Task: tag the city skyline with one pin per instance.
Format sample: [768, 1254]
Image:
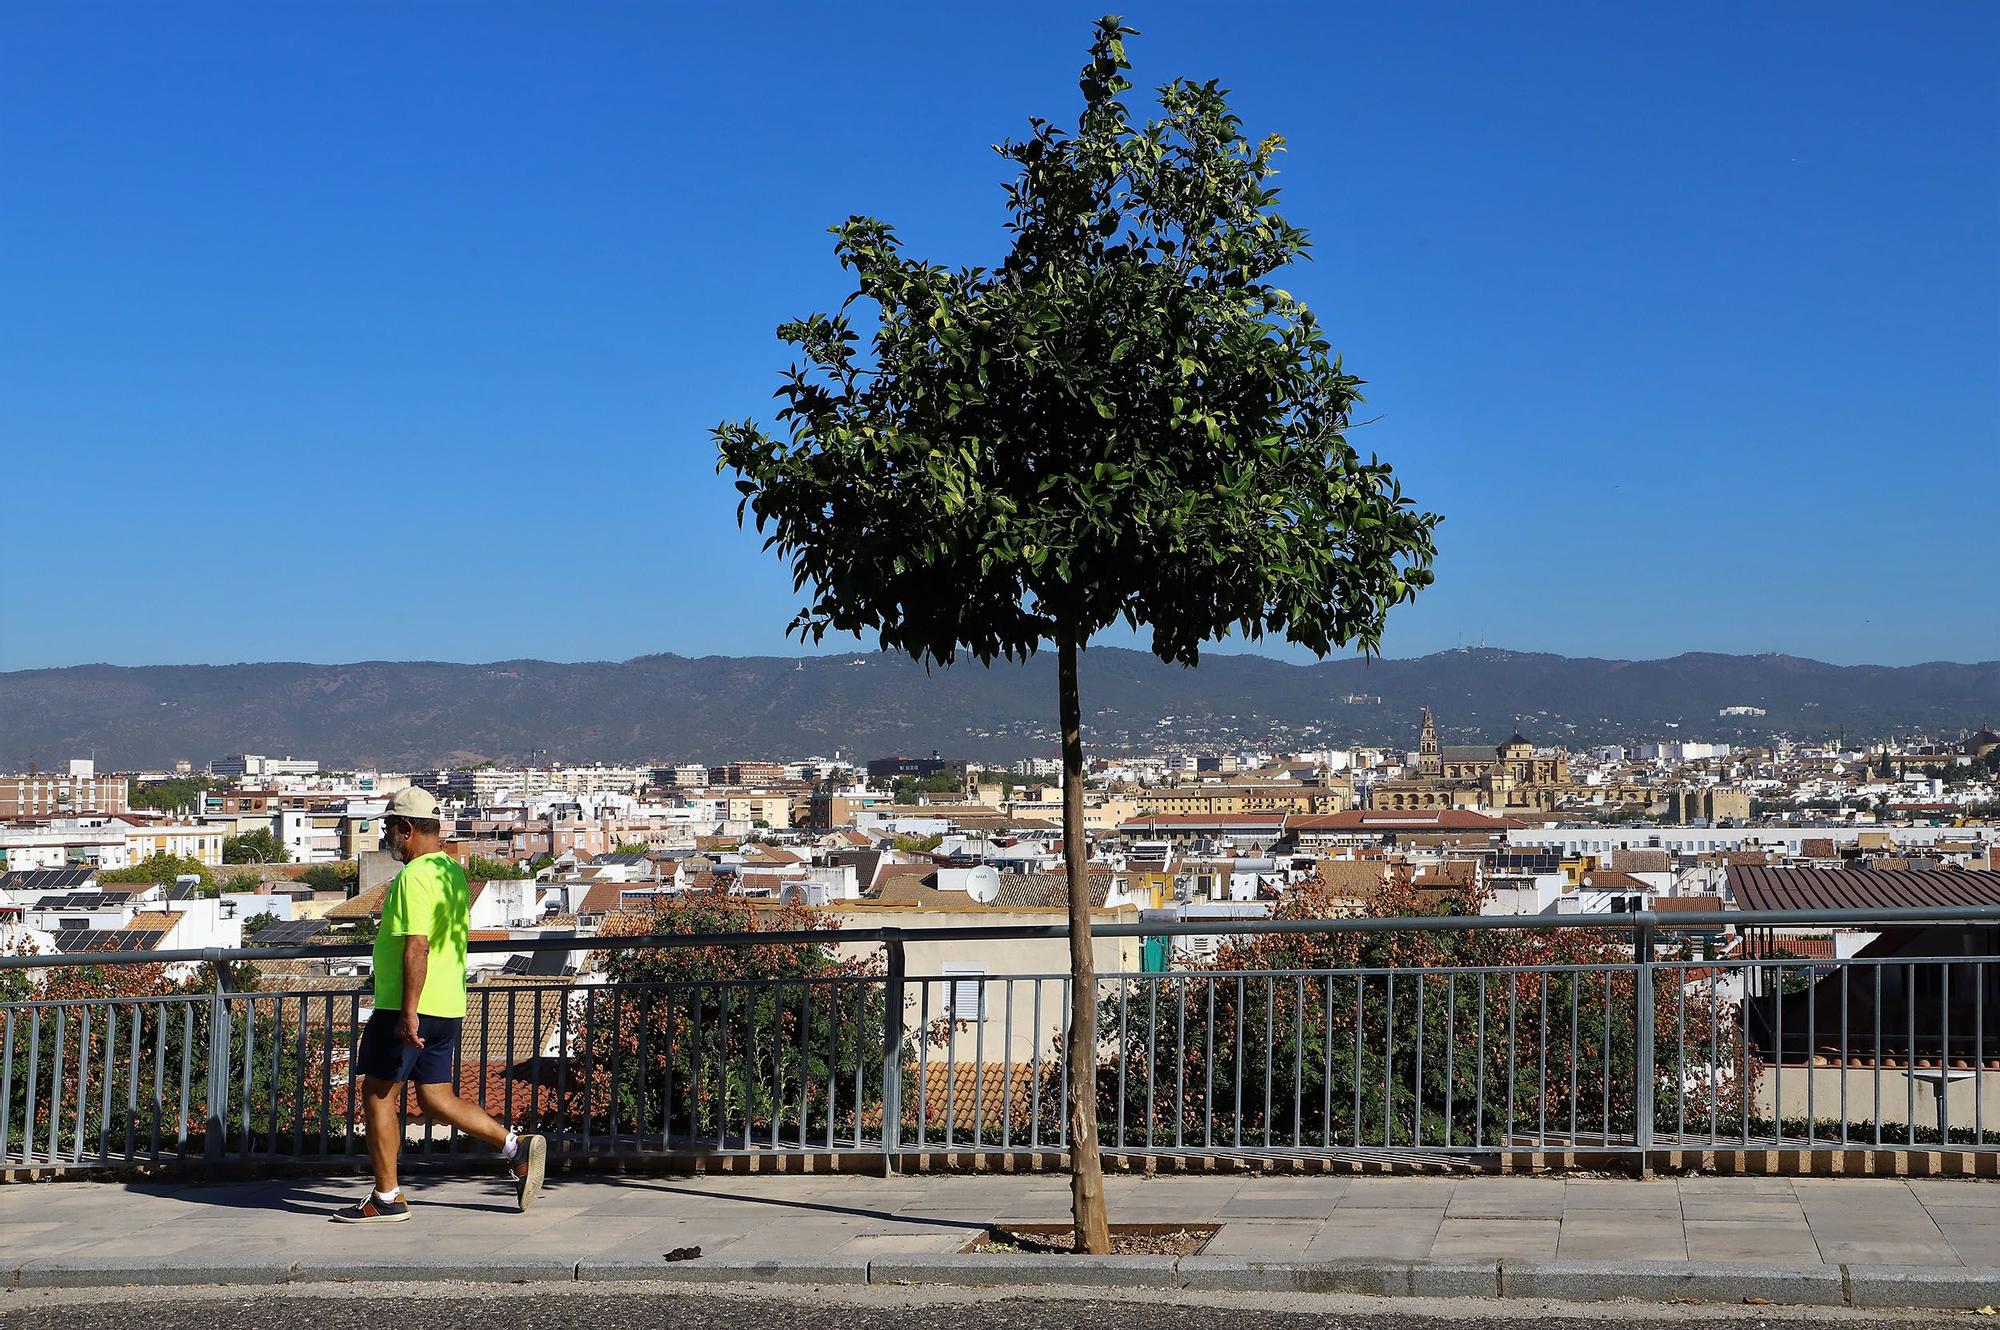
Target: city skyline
[1688, 323]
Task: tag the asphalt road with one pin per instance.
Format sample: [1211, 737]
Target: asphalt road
[546, 1309]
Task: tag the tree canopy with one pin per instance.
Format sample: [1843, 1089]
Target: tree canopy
[1126, 419]
[172, 794]
[258, 846]
[160, 868]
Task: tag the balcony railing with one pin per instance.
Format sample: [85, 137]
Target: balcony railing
[1619, 1043]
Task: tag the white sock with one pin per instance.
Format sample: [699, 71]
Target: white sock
[387, 1196]
[513, 1143]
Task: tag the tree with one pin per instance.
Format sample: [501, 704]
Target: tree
[1126, 420]
[163, 868]
[756, 1034]
[630, 847]
[906, 788]
[1334, 1043]
[479, 868]
[1886, 769]
[171, 795]
[254, 847]
[342, 877]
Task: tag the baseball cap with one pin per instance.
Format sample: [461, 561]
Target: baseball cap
[413, 802]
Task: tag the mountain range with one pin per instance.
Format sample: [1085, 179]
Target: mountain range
[413, 714]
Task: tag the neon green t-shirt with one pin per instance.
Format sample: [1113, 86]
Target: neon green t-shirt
[430, 898]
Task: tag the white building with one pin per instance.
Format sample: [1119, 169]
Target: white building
[490, 785]
[1678, 751]
[63, 843]
[256, 766]
[200, 841]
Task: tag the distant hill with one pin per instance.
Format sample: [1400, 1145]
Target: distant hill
[421, 713]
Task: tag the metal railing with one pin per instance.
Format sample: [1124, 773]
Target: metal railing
[825, 1043]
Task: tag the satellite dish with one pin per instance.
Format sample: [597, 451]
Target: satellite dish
[983, 884]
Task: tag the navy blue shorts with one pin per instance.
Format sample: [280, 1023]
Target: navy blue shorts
[386, 1057]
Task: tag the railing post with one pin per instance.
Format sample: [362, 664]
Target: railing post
[892, 1050]
[218, 1065]
[1644, 1073]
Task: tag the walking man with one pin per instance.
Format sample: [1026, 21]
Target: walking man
[419, 1006]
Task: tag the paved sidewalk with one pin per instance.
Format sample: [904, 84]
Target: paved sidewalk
[1819, 1230]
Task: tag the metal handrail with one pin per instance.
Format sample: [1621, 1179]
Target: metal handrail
[1640, 923]
[1641, 1070]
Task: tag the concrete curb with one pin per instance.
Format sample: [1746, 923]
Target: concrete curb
[1455, 1279]
[373, 1270]
[1871, 1286]
[1657, 1281]
[1884, 1286]
[1026, 1269]
[724, 1269]
[117, 1271]
[1225, 1274]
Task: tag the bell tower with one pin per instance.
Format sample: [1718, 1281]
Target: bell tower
[1429, 765]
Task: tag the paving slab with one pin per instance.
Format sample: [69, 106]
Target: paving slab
[1315, 1187]
[1974, 1244]
[1466, 1239]
[1509, 1199]
[1398, 1194]
[1748, 1186]
[1279, 1207]
[1772, 1209]
[1268, 1239]
[1400, 1233]
[904, 1244]
[1956, 1192]
[1751, 1241]
[1592, 1194]
[1603, 1235]
[1889, 1253]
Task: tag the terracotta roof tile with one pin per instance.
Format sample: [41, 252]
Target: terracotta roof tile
[364, 906]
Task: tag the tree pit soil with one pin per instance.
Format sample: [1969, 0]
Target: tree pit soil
[1126, 1240]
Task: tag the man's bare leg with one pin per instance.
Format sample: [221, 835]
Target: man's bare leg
[525, 1164]
[381, 1104]
[441, 1104]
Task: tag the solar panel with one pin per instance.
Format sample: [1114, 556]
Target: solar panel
[71, 941]
[83, 900]
[45, 879]
[547, 962]
[286, 933]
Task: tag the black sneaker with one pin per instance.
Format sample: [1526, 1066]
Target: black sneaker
[374, 1211]
[531, 1161]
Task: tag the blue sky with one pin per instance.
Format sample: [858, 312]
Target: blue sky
[1686, 317]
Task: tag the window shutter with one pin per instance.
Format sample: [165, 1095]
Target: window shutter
[966, 992]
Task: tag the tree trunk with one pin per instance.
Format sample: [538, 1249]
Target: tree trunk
[1093, 1232]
